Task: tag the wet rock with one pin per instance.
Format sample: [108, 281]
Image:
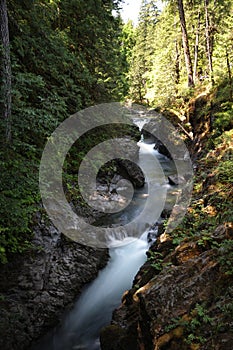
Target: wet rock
[130, 148]
[159, 146]
[36, 288]
[160, 311]
[150, 134]
[166, 213]
[122, 168]
[115, 338]
[131, 171]
[175, 180]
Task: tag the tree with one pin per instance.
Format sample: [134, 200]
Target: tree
[223, 40]
[5, 70]
[196, 49]
[209, 40]
[65, 55]
[187, 55]
[143, 52]
[127, 45]
[229, 74]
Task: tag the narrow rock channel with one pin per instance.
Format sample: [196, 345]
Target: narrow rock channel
[93, 310]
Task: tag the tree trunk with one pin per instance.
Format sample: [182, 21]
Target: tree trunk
[5, 70]
[177, 63]
[177, 58]
[197, 46]
[209, 41]
[229, 74]
[187, 55]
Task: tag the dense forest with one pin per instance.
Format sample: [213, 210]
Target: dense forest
[61, 56]
[55, 65]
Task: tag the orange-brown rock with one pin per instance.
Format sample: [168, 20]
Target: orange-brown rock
[180, 307]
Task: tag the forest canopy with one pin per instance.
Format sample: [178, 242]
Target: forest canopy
[60, 56]
[165, 63]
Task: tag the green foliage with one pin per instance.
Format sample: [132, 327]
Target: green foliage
[65, 55]
[158, 73]
[224, 171]
[223, 119]
[226, 256]
[19, 193]
[212, 197]
[175, 322]
[195, 329]
[156, 260]
[127, 43]
[53, 41]
[142, 55]
[194, 325]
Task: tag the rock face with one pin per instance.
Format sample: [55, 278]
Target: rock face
[131, 171]
[177, 301]
[125, 168]
[109, 179]
[37, 288]
[175, 180]
[149, 132]
[155, 132]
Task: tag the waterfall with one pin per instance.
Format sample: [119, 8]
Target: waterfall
[93, 310]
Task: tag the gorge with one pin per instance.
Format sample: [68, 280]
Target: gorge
[158, 274]
[80, 328]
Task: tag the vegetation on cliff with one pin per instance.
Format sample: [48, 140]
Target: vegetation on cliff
[67, 55]
[182, 297]
[64, 56]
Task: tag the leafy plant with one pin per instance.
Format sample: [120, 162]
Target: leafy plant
[156, 261]
[226, 256]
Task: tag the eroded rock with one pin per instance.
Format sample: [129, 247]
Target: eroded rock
[178, 306]
[36, 288]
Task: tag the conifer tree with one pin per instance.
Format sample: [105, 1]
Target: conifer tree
[5, 66]
[142, 57]
[187, 54]
[127, 45]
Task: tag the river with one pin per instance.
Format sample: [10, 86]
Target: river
[93, 310]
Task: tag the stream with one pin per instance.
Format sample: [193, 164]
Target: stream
[93, 310]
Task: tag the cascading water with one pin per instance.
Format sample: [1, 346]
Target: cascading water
[93, 310]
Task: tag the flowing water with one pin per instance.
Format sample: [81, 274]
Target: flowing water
[93, 310]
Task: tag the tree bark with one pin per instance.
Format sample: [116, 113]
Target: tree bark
[197, 46]
[5, 70]
[209, 41]
[229, 75]
[177, 58]
[177, 63]
[187, 55]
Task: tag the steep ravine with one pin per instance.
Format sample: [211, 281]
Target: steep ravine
[81, 326]
[37, 287]
[167, 308]
[182, 296]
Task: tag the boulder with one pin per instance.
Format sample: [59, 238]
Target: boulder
[131, 171]
[175, 180]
